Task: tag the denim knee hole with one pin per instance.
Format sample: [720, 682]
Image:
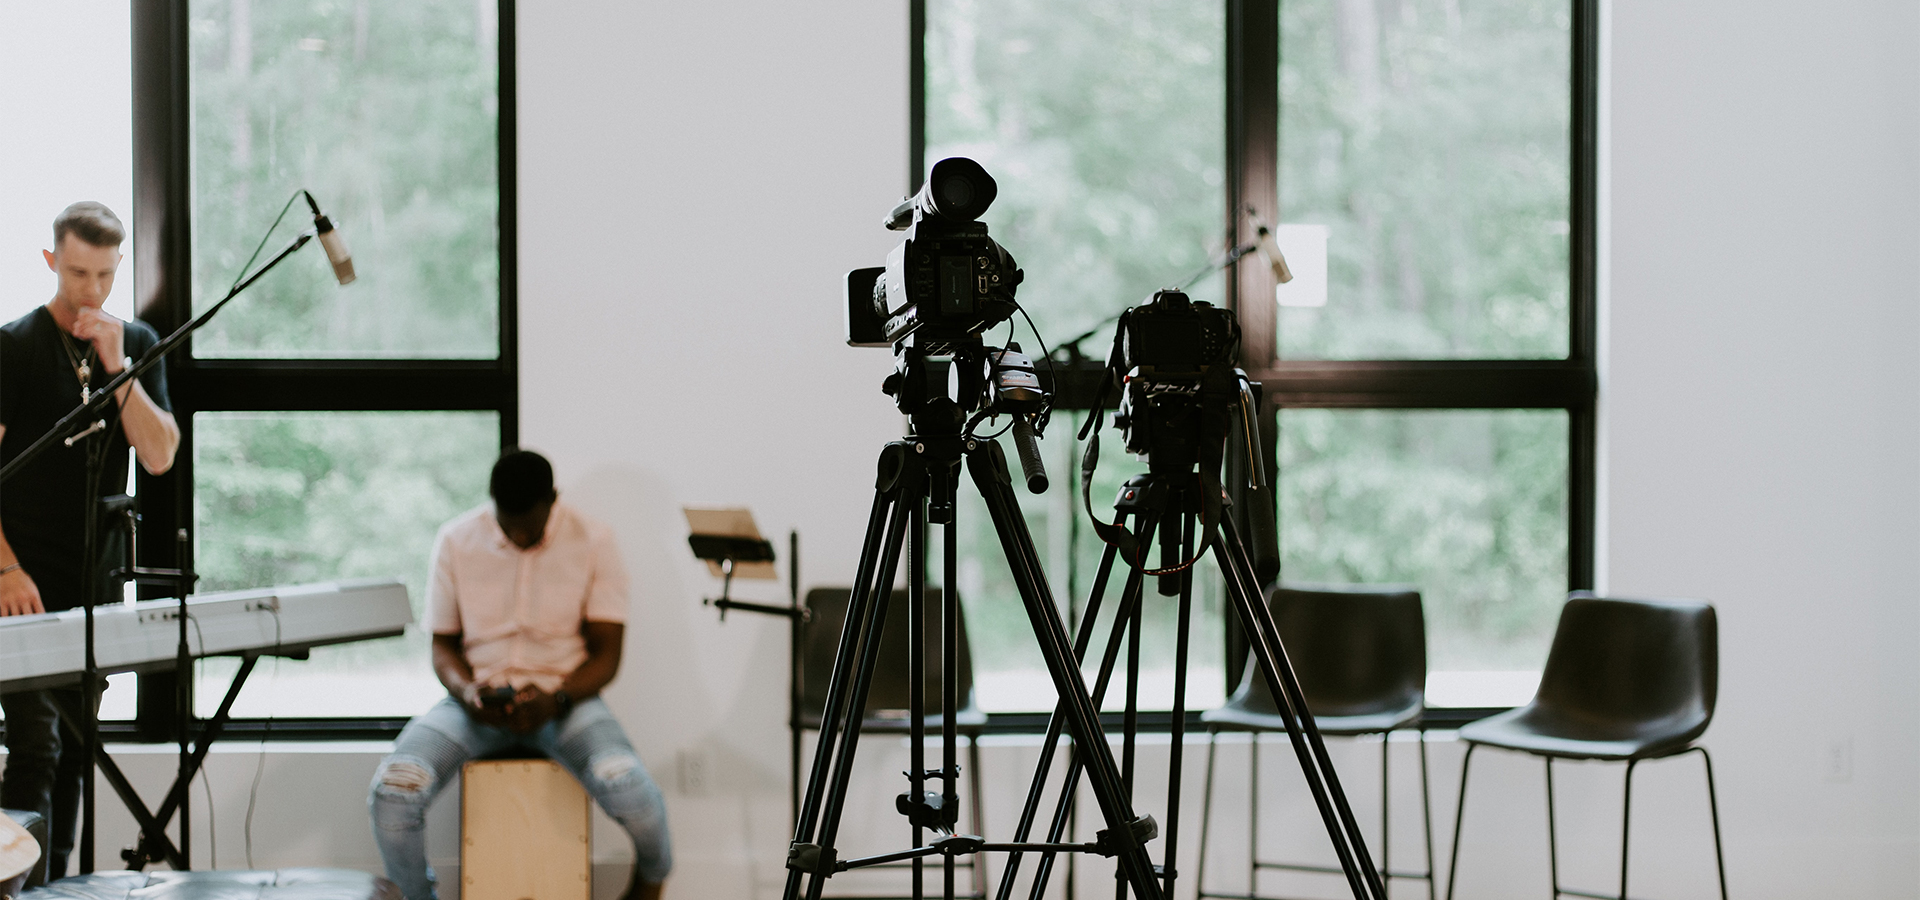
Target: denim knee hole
[404, 777]
[615, 769]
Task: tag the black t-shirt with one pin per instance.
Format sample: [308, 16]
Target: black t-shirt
[40, 507]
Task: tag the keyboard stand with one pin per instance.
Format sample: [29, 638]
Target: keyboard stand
[154, 845]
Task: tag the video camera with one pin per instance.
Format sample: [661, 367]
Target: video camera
[947, 280]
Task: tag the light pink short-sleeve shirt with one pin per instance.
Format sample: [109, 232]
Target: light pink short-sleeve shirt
[519, 612]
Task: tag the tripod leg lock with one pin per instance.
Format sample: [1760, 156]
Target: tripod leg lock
[930, 810]
[1138, 833]
[812, 858]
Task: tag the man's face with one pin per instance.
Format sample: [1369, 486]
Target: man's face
[85, 272]
[525, 529]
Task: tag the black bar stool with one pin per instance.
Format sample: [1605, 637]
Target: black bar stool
[1627, 681]
[1360, 652]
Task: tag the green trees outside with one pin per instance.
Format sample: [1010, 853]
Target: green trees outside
[388, 113]
[1431, 137]
[293, 498]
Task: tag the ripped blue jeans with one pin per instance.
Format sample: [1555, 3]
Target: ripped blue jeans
[433, 747]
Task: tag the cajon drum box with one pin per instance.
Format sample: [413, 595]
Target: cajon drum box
[525, 832]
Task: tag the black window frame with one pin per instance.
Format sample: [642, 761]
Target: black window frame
[1252, 166]
[162, 216]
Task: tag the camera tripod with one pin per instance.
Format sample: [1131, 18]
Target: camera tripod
[1170, 505]
[917, 482]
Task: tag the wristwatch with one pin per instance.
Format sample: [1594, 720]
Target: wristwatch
[562, 702]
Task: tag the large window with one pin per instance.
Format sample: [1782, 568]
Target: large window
[1104, 125]
[1431, 418]
[329, 430]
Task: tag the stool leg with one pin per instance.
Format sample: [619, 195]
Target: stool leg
[975, 815]
[1713, 806]
[1626, 810]
[1206, 815]
[1386, 821]
[1553, 839]
[1253, 814]
[1426, 813]
[1459, 814]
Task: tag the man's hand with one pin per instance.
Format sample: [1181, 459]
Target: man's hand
[497, 716]
[531, 708]
[19, 596]
[107, 335]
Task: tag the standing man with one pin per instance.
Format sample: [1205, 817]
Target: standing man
[49, 360]
[527, 605]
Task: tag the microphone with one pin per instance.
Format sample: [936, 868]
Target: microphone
[332, 242]
[1263, 241]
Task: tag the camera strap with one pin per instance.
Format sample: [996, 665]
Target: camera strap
[1216, 421]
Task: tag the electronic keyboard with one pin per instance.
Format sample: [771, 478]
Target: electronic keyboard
[49, 649]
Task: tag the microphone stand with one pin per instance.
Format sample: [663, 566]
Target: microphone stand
[100, 407]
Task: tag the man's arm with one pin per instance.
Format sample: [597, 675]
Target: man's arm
[18, 594]
[450, 664]
[151, 430]
[533, 707]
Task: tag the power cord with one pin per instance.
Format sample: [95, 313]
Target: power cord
[260, 766]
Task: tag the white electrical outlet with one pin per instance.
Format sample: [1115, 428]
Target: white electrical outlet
[1836, 761]
[695, 771]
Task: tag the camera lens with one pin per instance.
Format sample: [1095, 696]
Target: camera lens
[956, 192]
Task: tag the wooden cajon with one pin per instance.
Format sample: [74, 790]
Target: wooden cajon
[525, 832]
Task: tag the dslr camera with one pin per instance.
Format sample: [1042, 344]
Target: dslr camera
[1175, 360]
[947, 281]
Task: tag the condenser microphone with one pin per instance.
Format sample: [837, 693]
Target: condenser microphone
[332, 242]
[1263, 240]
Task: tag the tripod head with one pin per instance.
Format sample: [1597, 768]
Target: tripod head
[1175, 362]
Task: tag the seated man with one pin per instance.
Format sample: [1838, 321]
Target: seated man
[527, 605]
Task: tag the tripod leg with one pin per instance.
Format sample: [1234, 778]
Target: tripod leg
[1054, 724]
[1175, 773]
[986, 462]
[916, 674]
[809, 813]
[1265, 643]
[1130, 599]
[856, 704]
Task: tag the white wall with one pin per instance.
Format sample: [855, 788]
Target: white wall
[1763, 395]
[696, 177]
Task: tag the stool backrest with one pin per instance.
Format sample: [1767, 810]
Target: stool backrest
[1619, 661]
[1357, 649]
[891, 682]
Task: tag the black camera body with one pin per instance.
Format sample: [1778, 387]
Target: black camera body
[1177, 360]
[947, 280]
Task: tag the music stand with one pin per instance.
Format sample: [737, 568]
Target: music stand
[729, 542]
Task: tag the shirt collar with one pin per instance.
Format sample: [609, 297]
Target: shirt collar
[499, 535]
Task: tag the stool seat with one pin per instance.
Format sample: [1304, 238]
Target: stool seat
[287, 884]
[1544, 731]
[1233, 717]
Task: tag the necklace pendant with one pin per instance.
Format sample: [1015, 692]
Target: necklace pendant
[85, 395]
[85, 372]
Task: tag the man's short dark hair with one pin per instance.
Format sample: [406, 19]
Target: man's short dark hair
[522, 480]
[91, 222]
